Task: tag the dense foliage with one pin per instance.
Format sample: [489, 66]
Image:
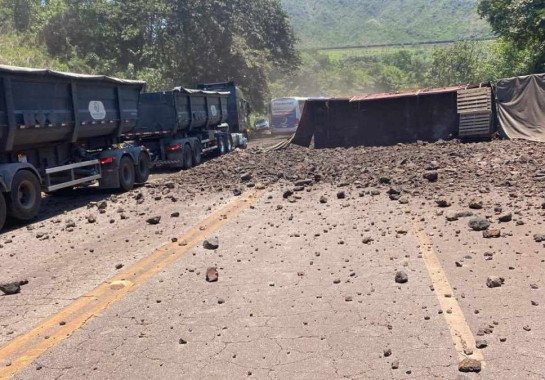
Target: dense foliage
[164, 42]
[321, 23]
[522, 25]
[172, 42]
[519, 50]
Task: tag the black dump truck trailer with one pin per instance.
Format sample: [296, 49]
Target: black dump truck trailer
[60, 130]
[178, 127]
[238, 108]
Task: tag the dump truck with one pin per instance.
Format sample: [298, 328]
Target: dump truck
[238, 108]
[180, 126]
[61, 130]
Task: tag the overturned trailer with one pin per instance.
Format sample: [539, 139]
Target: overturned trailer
[385, 119]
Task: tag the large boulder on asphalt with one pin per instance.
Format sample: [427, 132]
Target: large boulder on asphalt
[211, 243]
[479, 224]
[470, 365]
[401, 277]
[495, 282]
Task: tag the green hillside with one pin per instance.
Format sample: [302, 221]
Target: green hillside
[324, 23]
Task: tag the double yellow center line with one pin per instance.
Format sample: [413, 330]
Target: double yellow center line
[23, 350]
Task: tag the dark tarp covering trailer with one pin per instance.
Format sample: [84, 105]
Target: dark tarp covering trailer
[60, 130]
[520, 105]
[237, 106]
[45, 106]
[380, 119]
[180, 110]
[179, 126]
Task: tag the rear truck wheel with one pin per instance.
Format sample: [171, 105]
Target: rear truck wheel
[126, 174]
[188, 157]
[197, 154]
[143, 168]
[3, 211]
[25, 197]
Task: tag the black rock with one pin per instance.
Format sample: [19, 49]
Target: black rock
[385, 180]
[506, 218]
[287, 194]
[401, 277]
[394, 191]
[470, 365]
[211, 243]
[246, 177]
[11, 288]
[494, 282]
[539, 238]
[479, 224]
[154, 221]
[476, 205]
[443, 203]
[432, 176]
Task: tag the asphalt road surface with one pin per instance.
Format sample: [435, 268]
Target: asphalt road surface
[413, 261]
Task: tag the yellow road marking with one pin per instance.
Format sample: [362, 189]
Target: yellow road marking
[461, 333]
[23, 350]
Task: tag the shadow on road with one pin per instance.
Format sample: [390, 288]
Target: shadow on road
[54, 205]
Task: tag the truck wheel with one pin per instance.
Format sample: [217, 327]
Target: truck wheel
[143, 168]
[2, 211]
[126, 174]
[25, 197]
[188, 157]
[197, 154]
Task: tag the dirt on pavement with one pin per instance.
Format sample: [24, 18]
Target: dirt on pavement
[327, 275]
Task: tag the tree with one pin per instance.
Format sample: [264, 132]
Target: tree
[175, 42]
[521, 23]
[463, 62]
[17, 14]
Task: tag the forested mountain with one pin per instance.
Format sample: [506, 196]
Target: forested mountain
[323, 23]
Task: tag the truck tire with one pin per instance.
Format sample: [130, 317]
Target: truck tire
[197, 153]
[25, 197]
[126, 174]
[3, 211]
[188, 157]
[143, 168]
